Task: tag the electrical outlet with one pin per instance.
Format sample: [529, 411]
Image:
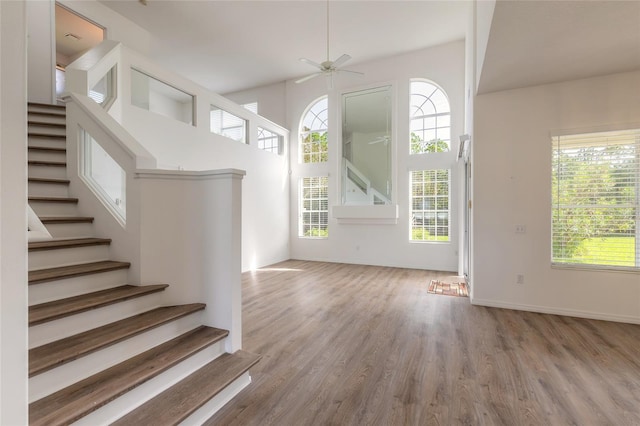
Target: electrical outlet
[521, 229]
[520, 279]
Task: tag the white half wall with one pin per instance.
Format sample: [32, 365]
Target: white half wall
[265, 188]
[13, 213]
[512, 185]
[386, 245]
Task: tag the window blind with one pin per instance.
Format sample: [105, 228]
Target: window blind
[596, 199]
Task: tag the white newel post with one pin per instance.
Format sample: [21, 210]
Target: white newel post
[190, 238]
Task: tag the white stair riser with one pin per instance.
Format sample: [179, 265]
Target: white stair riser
[47, 130]
[39, 189]
[205, 412]
[70, 230]
[48, 172]
[68, 326]
[35, 155]
[67, 374]
[47, 208]
[136, 397]
[69, 256]
[68, 287]
[46, 142]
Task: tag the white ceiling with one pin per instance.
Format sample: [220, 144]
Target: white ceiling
[232, 45]
[88, 34]
[538, 42]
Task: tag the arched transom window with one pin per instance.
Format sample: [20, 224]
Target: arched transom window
[430, 118]
[313, 132]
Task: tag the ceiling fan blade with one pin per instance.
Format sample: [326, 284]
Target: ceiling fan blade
[341, 60]
[309, 77]
[313, 64]
[351, 72]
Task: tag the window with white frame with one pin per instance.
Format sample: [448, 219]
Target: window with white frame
[314, 207]
[595, 218]
[430, 202]
[430, 116]
[229, 125]
[313, 133]
[269, 141]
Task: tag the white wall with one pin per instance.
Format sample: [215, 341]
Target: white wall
[13, 214]
[271, 101]
[265, 189]
[382, 244]
[118, 27]
[512, 185]
[483, 11]
[41, 30]
[41, 50]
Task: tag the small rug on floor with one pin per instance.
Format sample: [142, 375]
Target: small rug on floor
[448, 289]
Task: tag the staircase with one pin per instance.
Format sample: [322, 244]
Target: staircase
[101, 350]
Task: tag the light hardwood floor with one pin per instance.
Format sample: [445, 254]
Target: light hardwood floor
[365, 345]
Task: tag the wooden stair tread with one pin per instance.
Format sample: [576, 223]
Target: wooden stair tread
[76, 401]
[46, 123]
[45, 135]
[47, 163]
[54, 354]
[48, 114]
[49, 311]
[49, 180]
[178, 402]
[66, 219]
[44, 105]
[67, 243]
[61, 272]
[54, 199]
[47, 149]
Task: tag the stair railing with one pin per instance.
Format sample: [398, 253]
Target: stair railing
[182, 218]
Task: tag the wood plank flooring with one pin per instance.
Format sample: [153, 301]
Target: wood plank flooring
[364, 345]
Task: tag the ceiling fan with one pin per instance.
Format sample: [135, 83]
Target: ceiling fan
[328, 67]
[381, 139]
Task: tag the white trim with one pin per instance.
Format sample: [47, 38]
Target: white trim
[366, 214]
[189, 175]
[556, 311]
[36, 230]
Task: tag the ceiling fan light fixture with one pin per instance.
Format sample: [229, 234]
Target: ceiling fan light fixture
[327, 67]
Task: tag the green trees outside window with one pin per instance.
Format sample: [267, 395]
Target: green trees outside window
[595, 199]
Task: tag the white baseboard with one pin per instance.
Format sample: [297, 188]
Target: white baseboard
[556, 311]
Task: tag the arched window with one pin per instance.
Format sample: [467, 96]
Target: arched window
[313, 132]
[430, 118]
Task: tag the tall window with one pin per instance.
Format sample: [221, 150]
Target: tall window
[313, 133]
[314, 207]
[430, 205]
[430, 118]
[596, 199]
